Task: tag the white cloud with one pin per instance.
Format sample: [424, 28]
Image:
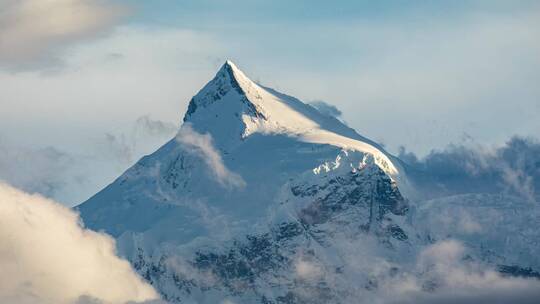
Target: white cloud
[127, 147]
[443, 272]
[35, 170]
[46, 257]
[326, 108]
[31, 31]
[105, 85]
[71, 177]
[511, 168]
[201, 144]
[307, 270]
[444, 275]
[456, 220]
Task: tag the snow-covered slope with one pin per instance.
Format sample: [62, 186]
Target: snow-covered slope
[260, 198]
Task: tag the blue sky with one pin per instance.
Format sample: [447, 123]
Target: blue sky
[422, 74]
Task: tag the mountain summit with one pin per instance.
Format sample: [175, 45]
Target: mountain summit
[224, 103]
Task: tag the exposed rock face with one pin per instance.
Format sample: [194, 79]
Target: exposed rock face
[358, 203]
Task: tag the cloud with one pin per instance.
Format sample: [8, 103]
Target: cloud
[457, 220]
[513, 168]
[71, 177]
[326, 108]
[55, 173]
[443, 272]
[126, 147]
[118, 147]
[518, 295]
[46, 257]
[33, 31]
[444, 275]
[40, 170]
[307, 269]
[201, 145]
[145, 125]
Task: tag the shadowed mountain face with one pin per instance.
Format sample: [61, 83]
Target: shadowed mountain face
[260, 198]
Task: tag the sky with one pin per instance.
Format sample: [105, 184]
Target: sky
[88, 87]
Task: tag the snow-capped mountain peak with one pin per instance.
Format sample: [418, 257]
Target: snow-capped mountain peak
[223, 104]
[232, 107]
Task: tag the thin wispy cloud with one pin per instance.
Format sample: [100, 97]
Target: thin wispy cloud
[202, 146]
[326, 108]
[127, 147]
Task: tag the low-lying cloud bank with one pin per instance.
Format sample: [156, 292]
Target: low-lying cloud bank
[47, 257]
[443, 274]
[440, 273]
[513, 169]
